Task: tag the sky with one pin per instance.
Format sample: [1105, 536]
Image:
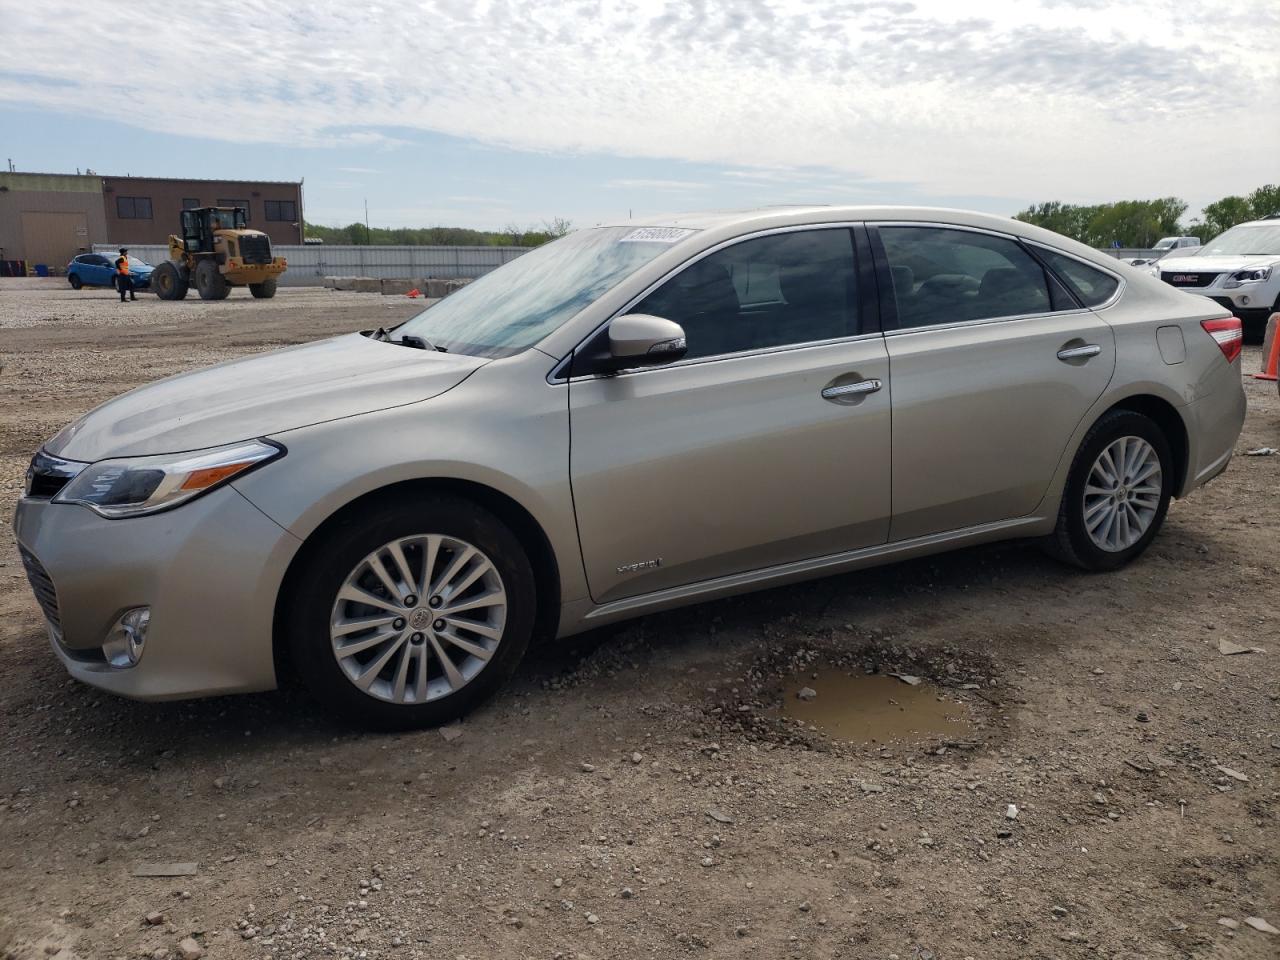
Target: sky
[498, 113]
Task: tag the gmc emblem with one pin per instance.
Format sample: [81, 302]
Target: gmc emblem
[1185, 278]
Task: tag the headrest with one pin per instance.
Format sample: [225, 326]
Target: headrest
[815, 284]
[1000, 281]
[904, 280]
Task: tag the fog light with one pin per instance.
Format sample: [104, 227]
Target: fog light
[1244, 301]
[126, 639]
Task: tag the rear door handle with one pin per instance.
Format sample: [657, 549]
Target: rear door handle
[851, 389]
[1079, 353]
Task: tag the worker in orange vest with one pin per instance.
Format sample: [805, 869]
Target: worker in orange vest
[123, 281]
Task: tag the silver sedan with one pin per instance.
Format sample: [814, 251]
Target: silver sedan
[629, 419]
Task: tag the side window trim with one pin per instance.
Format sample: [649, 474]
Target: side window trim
[1053, 277]
[867, 325]
[888, 303]
[870, 319]
[1034, 248]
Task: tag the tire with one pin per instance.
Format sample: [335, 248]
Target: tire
[169, 282]
[211, 284]
[264, 290]
[1072, 541]
[75, 281]
[314, 610]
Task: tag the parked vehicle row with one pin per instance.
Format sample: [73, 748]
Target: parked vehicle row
[628, 419]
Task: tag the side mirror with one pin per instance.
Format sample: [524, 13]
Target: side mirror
[639, 339]
[632, 340]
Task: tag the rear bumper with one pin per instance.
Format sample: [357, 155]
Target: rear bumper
[1214, 423]
[256, 272]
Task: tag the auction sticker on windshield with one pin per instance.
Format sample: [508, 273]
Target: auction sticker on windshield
[656, 235]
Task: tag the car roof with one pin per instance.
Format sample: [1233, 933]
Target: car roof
[727, 223]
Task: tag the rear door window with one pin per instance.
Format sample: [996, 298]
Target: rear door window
[779, 290]
[941, 275]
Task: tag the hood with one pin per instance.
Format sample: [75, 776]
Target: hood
[262, 395]
[1206, 264]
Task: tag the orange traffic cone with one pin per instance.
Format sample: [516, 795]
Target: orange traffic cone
[1272, 349]
[415, 293]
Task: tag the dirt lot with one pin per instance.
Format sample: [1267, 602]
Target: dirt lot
[635, 793]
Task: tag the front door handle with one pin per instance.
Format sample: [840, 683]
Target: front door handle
[1079, 353]
[851, 389]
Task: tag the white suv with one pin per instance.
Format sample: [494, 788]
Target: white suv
[1167, 244]
[1240, 269]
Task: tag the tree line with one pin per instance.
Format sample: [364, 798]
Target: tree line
[511, 236]
[1140, 223]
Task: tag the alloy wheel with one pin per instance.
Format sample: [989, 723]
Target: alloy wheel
[418, 619]
[1122, 494]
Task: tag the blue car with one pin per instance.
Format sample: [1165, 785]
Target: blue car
[99, 270]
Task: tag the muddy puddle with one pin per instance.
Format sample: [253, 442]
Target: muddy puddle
[874, 708]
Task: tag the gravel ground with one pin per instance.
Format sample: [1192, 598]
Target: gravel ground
[636, 792]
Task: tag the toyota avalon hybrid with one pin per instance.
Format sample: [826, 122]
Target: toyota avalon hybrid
[628, 419]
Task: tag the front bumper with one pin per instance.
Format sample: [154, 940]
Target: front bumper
[209, 570]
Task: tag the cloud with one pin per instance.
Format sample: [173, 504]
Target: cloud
[642, 184]
[369, 170]
[993, 97]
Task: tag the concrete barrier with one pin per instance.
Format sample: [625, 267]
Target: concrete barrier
[347, 283]
[433, 288]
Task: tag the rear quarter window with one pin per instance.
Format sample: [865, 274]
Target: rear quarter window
[1094, 287]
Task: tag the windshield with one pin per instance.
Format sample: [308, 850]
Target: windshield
[1165, 244]
[226, 219]
[137, 262]
[1245, 241]
[515, 306]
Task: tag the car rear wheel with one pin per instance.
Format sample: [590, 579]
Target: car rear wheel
[411, 614]
[75, 281]
[1117, 493]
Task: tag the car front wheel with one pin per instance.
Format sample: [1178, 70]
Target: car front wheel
[411, 614]
[75, 281]
[1117, 493]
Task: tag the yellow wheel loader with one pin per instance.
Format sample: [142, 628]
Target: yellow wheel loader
[217, 252]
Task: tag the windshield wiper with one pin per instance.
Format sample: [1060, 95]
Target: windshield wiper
[407, 340]
[421, 343]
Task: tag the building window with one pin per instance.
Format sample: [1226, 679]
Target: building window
[133, 208]
[190, 203]
[285, 210]
[242, 204]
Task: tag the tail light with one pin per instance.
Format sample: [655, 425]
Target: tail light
[1228, 334]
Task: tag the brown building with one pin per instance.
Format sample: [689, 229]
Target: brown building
[146, 209]
[48, 218]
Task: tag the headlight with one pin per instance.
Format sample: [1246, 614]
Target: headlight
[1251, 275]
[1154, 270]
[140, 485]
